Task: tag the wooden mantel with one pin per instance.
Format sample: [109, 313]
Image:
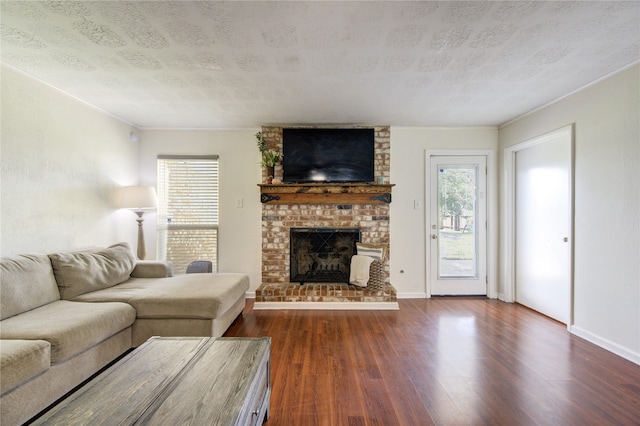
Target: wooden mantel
[325, 193]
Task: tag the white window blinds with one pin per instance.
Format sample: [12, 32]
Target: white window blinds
[188, 205]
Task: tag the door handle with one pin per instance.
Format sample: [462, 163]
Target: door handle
[434, 236]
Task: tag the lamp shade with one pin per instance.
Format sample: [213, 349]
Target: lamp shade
[138, 197]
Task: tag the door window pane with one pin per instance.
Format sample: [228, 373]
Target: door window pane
[457, 237]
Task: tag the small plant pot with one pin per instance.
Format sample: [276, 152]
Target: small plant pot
[270, 173]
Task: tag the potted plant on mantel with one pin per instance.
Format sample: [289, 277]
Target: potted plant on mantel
[270, 157]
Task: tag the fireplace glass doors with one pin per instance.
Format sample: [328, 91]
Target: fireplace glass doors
[322, 254]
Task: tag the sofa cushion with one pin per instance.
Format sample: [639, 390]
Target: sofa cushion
[70, 327]
[84, 271]
[120, 293]
[203, 296]
[21, 360]
[26, 282]
[152, 269]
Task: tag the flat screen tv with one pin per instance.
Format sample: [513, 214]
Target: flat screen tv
[327, 155]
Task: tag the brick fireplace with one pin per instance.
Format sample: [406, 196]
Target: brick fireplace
[286, 207]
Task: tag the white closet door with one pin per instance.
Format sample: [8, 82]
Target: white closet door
[543, 227]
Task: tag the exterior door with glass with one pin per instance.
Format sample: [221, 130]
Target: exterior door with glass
[457, 225]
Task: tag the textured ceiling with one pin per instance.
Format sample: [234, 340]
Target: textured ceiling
[206, 64]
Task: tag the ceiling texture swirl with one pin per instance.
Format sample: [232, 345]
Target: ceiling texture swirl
[241, 64]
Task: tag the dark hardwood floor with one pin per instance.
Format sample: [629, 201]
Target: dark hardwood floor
[442, 361]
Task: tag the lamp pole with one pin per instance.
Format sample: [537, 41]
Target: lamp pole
[142, 250]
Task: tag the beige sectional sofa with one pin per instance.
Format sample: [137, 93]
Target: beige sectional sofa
[64, 316]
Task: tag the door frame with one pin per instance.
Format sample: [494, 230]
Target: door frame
[492, 215]
[509, 212]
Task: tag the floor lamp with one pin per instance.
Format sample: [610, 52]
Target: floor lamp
[138, 199]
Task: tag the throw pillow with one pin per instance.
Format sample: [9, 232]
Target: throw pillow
[371, 250]
[26, 282]
[85, 271]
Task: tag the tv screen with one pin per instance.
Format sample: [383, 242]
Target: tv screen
[327, 155]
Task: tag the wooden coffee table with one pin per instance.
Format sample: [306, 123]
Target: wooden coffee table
[176, 381]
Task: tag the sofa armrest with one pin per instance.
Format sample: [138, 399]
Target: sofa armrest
[152, 269]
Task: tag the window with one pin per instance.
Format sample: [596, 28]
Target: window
[188, 209]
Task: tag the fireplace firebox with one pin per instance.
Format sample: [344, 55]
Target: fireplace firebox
[322, 254]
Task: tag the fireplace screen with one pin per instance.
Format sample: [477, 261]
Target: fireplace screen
[322, 254]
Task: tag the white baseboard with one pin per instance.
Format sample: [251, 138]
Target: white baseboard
[411, 295]
[424, 296]
[606, 344]
[352, 306]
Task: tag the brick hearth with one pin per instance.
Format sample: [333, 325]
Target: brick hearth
[277, 219]
[325, 292]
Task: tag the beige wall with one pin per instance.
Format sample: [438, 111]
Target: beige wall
[408, 242]
[607, 205]
[240, 241]
[60, 163]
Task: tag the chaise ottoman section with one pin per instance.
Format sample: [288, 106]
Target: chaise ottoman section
[200, 296]
[70, 327]
[22, 360]
[190, 305]
[200, 305]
